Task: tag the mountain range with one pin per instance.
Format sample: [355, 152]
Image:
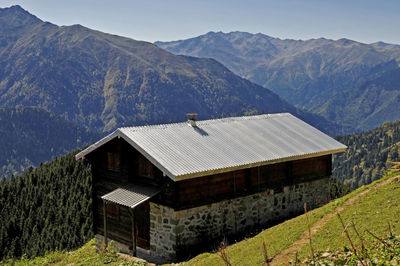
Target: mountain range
[72, 75]
[328, 77]
[104, 81]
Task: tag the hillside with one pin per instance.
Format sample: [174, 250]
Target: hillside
[30, 136]
[46, 208]
[105, 81]
[287, 239]
[85, 255]
[368, 156]
[367, 105]
[309, 73]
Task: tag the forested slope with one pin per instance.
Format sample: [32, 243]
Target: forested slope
[368, 155]
[46, 208]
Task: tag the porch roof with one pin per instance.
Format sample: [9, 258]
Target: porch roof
[131, 195]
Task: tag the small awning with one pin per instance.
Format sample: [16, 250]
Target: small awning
[132, 195]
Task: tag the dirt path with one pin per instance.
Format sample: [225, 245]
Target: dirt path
[288, 254]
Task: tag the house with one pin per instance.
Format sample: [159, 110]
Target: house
[165, 190]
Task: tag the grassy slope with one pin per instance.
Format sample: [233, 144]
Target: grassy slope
[86, 255]
[373, 210]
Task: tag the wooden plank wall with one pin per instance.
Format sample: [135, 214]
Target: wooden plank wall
[208, 189]
[118, 227]
[118, 219]
[106, 180]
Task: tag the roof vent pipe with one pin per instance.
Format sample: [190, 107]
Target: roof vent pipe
[192, 119]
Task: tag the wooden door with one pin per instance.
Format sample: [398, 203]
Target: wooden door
[142, 214]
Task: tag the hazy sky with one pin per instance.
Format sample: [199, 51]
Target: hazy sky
[151, 20]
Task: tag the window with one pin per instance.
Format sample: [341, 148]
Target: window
[145, 168]
[113, 161]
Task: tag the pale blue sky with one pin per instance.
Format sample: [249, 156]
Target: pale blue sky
[151, 20]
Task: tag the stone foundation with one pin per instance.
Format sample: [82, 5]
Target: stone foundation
[163, 231]
[236, 216]
[173, 232]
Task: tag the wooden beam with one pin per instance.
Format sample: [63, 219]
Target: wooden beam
[132, 214]
[105, 222]
[234, 183]
[329, 165]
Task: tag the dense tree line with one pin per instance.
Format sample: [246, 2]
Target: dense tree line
[368, 155]
[46, 208]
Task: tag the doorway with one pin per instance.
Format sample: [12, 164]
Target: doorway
[142, 217]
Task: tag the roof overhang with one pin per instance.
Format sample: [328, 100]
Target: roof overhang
[119, 134]
[256, 164]
[131, 196]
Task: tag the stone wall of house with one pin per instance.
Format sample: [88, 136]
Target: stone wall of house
[162, 232]
[229, 217]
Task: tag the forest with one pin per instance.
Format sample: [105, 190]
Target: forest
[46, 208]
[368, 155]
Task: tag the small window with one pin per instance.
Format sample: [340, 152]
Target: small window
[113, 161]
[145, 168]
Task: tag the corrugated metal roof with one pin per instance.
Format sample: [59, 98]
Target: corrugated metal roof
[131, 196]
[220, 145]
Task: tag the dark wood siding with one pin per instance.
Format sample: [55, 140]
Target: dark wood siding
[119, 162]
[114, 165]
[309, 169]
[118, 228]
[212, 188]
[118, 218]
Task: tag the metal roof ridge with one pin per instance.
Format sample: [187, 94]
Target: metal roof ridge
[205, 122]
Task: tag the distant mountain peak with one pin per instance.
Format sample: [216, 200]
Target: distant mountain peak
[16, 10]
[344, 41]
[310, 73]
[384, 44]
[17, 16]
[380, 43]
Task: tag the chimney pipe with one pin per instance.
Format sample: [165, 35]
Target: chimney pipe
[192, 119]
